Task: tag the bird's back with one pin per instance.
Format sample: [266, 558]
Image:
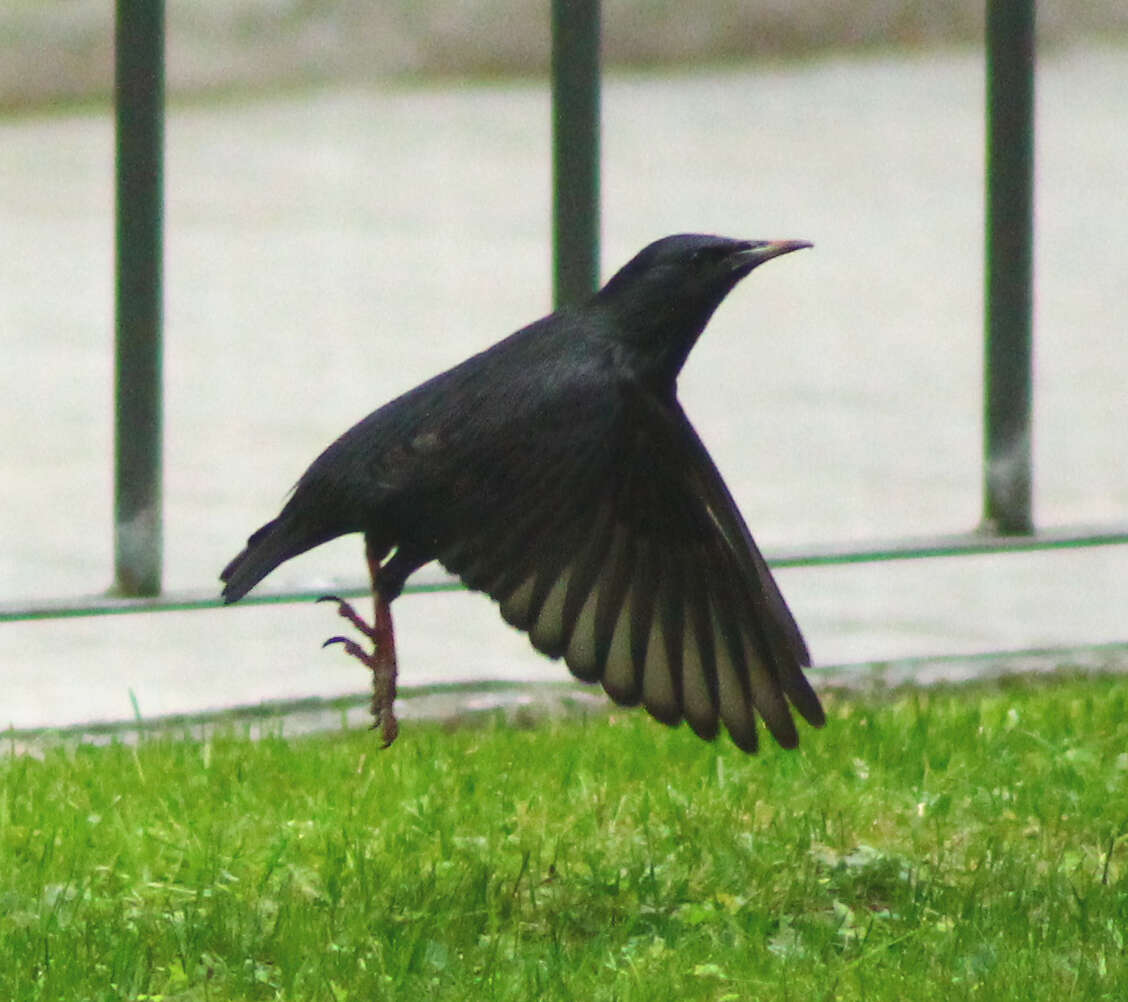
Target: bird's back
[449, 452]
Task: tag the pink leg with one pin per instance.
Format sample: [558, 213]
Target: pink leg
[382, 661]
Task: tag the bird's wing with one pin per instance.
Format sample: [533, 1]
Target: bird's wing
[626, 555]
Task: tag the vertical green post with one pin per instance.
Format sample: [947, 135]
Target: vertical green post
[575, 149]
[1009, 274]
[139, 113]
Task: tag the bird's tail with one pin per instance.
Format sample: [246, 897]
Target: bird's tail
[273, 544]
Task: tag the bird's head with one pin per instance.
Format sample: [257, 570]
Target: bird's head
[661, 299]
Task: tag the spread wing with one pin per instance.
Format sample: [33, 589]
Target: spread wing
[627, 557]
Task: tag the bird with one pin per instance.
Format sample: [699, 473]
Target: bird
[557, 472]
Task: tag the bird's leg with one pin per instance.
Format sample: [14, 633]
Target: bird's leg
[382, 661]
[384, 673]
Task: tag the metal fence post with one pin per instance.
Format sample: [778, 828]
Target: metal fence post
[139, 120]
[575, 149]
[1009, 270]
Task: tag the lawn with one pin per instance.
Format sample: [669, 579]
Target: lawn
[965, 843]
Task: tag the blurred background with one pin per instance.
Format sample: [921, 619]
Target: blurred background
[357, 195]
[62, 50]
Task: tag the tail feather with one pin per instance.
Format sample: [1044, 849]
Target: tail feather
[273, 544]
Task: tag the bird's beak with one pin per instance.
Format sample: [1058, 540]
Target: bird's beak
[756, 252]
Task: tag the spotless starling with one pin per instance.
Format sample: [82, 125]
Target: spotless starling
[557, 473]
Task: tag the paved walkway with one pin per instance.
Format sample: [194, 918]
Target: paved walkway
[327, 250]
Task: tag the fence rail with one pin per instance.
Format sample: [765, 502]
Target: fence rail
[830, 554]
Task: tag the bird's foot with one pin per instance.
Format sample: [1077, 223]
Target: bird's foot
[381, 661]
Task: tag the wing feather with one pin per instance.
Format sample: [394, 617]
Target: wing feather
[644, 597]
[614, 581]
[622, 675]
[699, 642]
[661, 666]
[733, 699]
[582, 599]
[632, 561]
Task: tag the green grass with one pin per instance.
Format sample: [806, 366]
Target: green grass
[960, 844]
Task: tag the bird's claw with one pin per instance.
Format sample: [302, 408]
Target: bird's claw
[346, 611]
[352, 647]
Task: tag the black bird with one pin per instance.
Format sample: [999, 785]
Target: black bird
[557, 473]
